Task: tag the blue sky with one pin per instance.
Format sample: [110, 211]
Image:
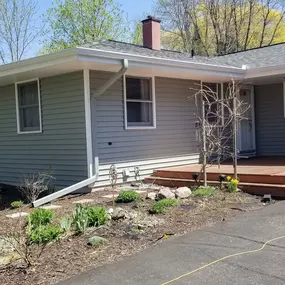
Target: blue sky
[134, 8]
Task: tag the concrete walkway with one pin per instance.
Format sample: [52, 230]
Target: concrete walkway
[179, 255]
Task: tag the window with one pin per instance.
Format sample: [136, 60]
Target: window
[139, 103]
[28, 107]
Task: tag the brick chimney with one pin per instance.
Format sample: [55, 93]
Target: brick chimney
[151, 33]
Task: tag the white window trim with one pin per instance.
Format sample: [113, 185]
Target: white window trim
[17, 107]
[152, 78]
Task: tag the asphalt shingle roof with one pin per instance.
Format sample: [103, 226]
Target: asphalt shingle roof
[260, 57]
[254, 58]
[110, 45]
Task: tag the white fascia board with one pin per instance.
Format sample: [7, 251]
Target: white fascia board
[39, 62]
[109, 57]
[265, 71]
[88, 53]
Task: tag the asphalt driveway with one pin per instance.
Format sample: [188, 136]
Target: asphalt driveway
[179, 255]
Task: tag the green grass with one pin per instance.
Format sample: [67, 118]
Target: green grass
[204, 192]
[127, 196]
[163, 205]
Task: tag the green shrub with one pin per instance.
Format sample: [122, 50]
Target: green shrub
[202, 192]
[96, 241]
[127, 196]
[40, 217]
[163, 205]
[44, 234]
[87, 216]
[16, 204]
[65, 224]
[97, 216]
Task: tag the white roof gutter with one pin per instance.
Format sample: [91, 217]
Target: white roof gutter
[90, 52]
[85, 54]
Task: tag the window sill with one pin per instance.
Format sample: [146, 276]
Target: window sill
[140, 128]
[29, 132]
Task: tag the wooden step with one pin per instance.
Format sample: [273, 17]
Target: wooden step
[211, 176]
[276, 190]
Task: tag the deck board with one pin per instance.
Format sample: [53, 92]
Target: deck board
[258, 175]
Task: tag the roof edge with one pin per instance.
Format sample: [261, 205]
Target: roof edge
[152, 60]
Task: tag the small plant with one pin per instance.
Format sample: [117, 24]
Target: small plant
[33, 185]
[162, 206]
[17, 204]
[87, 216]
[18, 237]
[97, 216]
[40, 217]
[127, 196]
[44, 234]
[80, 218]
[232, 184]
[203, 192]
[65, 224]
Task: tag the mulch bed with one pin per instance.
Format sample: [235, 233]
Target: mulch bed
[72, 255]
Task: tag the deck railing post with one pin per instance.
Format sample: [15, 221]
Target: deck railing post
[235, 151]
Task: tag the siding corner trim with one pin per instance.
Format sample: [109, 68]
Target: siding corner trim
[87, 103]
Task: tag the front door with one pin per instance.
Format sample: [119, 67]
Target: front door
[247, 135]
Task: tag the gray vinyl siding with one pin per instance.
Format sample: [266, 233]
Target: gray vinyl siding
[61, 146]
[270, 122]
[173, 137]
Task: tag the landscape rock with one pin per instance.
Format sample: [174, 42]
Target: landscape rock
[119, 213]
[151, 196]
[17, 215]
[7, 253]
[132, 215]
[165, 193]
[96, 240]
[183, 192]
[6, 245]
[110, 213]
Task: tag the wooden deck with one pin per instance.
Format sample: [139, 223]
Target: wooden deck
[259, 175]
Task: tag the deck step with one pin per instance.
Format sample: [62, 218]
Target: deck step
[276, 190]
[248, 178]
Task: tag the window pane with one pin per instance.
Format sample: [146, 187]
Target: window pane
[28, 94]
[30, 118]
[138, 89]
[140, 113]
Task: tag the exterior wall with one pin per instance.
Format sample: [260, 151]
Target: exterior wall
[61, 146]
[270, 121]
[172, 143]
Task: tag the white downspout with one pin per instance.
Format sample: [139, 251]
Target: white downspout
[92, 177]
[112, 80]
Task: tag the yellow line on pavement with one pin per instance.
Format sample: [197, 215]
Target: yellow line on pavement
[221, 259]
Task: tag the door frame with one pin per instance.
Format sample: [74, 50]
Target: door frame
[251, 89]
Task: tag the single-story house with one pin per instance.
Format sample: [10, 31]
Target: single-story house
[80, 110]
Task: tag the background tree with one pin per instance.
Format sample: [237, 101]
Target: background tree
[136, 35]
[213, 27]
[75, 22]
[19, 28]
